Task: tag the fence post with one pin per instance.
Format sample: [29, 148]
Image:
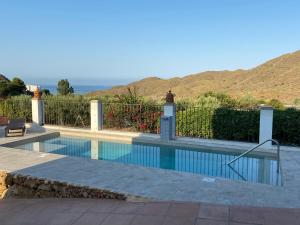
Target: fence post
[96, 115]
[266, 125]
[170, 110]
[38, 112]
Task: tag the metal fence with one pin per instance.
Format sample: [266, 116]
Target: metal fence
[194, 122]
[14, 109]
[133, 117]
[218, 123]
[70, 113]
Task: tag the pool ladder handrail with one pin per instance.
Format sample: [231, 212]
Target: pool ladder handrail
[250, 150]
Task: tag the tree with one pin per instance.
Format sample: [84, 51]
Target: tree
[224, 100]
[131, 97]
[64, 88]
[275, 103]
[45, 92]
[297, 101]
[4, 89]
[12, 88]
[17, 87]
[248, 102]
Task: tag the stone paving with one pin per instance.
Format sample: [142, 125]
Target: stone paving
[114, 212]
[156, 184]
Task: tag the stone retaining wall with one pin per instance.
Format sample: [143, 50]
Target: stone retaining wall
[19, 186]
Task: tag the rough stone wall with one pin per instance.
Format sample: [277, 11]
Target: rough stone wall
[3, 184]
[19, 186]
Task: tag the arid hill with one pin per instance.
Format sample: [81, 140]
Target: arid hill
[3, 78]
[278, 78]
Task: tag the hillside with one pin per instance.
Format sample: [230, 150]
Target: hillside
[3, 78]
[278, 78]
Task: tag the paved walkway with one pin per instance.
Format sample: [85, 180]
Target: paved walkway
[113, 212]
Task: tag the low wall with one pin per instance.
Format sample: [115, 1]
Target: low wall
[19, 186]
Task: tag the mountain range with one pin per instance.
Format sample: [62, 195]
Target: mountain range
[278, 78]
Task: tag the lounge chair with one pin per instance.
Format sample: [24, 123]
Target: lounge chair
[15, 126]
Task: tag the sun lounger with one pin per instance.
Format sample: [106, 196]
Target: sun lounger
[15, 126]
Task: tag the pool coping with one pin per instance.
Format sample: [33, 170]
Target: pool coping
[225, 191]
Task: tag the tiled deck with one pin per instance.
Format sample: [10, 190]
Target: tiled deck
[112, 212]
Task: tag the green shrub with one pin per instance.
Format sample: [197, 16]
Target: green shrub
[67, 111]
[276, 104]
[195, 122]
[286, 127]
[218, 123]
[248, 102]
[133, 117]
[17, 107]
[237, 125]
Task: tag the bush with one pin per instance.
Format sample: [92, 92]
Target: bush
[223, 99]
[218, 123]
[276, 104]
[195, 122]
[248, 102]
[17, 107]
[287, 126]
[67, 111]
[133, 117]
[237, 125]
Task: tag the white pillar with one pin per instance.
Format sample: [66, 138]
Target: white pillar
[95, 149]
[96, 115]
[170, 110]
[37, 112]
[266, 125]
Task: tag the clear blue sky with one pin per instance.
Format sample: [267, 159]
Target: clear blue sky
[118, 41]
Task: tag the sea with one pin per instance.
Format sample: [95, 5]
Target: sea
[78, 89]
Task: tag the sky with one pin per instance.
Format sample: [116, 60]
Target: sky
[110, 42]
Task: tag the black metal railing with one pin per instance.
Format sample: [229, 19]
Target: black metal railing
[71, 113]
[16, 108]
[218, 123]
[194, 122]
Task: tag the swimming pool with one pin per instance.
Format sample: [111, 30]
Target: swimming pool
[256, 169]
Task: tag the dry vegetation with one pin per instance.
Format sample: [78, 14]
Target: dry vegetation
[276, 79]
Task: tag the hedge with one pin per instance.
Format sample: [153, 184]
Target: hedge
[237, 125]
[16, 107]
[71, 112]
[286, 126]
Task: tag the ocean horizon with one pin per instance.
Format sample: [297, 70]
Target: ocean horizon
[78, 89]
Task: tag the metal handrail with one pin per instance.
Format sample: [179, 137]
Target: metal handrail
[245, 153]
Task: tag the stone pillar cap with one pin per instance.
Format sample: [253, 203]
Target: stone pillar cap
[266, 107]
[36, 94]
[95, 100]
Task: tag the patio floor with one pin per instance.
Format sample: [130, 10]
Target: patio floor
[113, 212]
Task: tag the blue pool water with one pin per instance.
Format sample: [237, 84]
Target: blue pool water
[192, 160]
